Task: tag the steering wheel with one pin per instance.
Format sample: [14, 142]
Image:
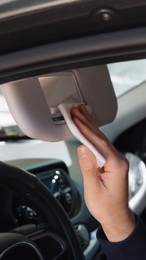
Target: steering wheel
[55, 239]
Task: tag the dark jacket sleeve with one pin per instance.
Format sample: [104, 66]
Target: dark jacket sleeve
[134, 247]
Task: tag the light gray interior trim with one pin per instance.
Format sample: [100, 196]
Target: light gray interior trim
[138, 202]
[93, 246]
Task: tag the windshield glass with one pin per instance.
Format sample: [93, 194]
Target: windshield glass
[124, 76]
[5, 117]
[127, 75]
[8, 127]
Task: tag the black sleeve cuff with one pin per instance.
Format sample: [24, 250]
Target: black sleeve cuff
[133, 247]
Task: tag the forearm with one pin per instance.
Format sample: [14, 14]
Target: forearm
[133, 247]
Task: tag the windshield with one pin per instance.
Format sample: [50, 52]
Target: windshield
[8, 127]
[127, 75]
[124, 76]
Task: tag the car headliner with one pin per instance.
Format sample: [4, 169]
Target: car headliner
[41, 42]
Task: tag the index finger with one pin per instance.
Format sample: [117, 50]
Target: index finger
[97, 139]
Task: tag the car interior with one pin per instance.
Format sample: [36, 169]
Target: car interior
[66, 52]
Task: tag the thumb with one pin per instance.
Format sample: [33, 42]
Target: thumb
[88, 167]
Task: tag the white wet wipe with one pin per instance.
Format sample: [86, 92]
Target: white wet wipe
[65, 111]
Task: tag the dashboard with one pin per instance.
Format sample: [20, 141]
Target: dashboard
[55, 177]
[62, 177]
[57, 166]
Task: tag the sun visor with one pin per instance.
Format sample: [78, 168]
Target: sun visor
[34, 102]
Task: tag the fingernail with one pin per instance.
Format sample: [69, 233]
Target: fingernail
[83, 151]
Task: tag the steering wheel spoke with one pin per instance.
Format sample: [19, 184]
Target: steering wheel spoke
[51, 245]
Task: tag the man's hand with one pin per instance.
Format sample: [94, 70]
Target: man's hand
[106, 189]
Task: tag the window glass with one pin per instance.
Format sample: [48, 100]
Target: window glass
[127, 75]
[5, 117]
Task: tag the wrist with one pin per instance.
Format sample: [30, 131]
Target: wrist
[121, 228]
